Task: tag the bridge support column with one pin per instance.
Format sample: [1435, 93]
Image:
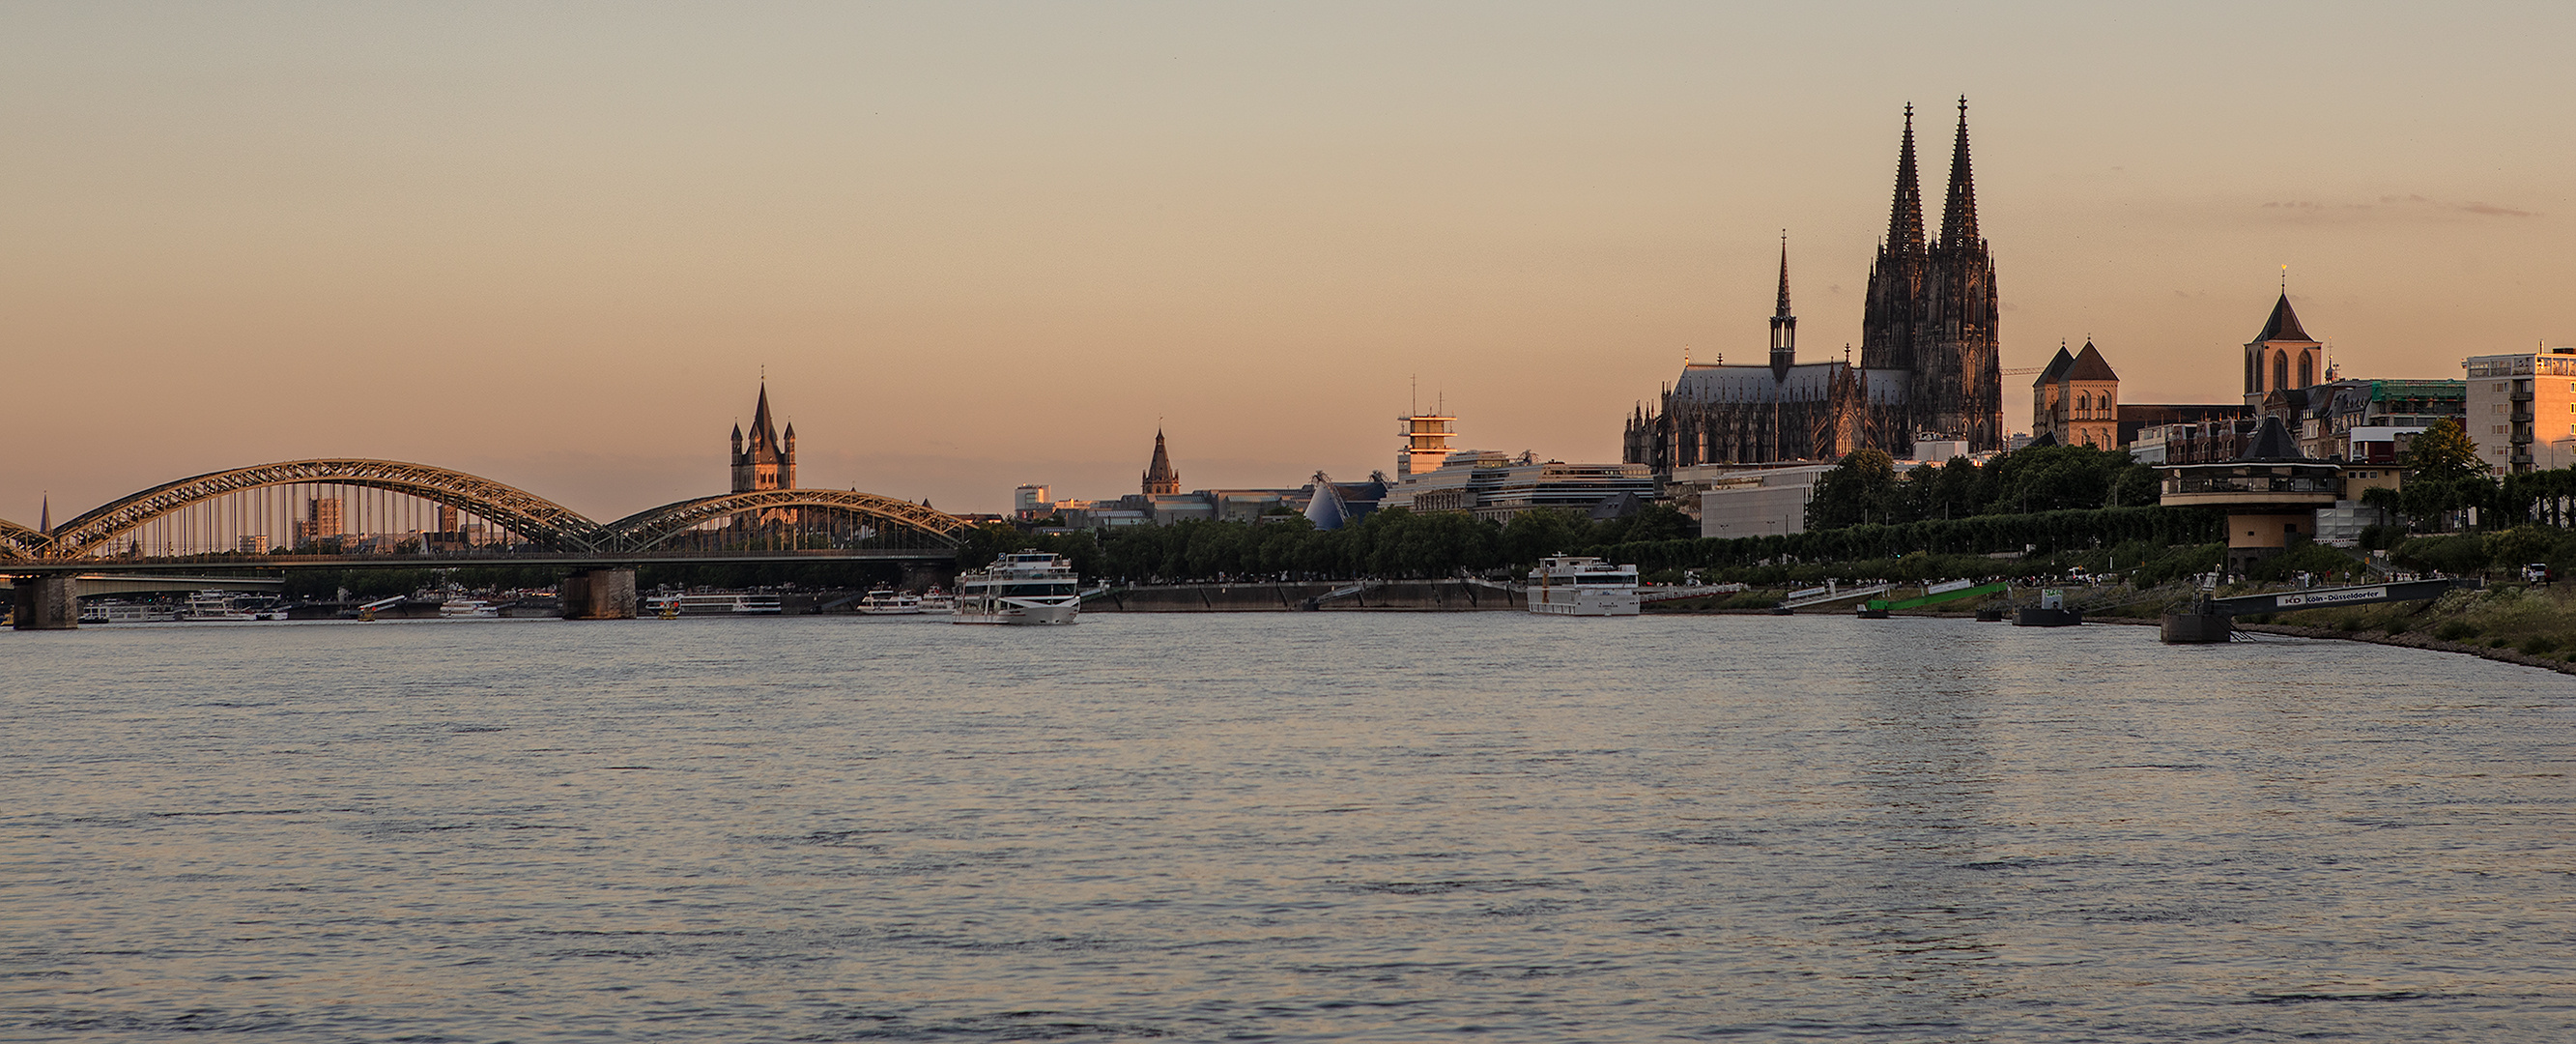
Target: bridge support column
[46, 603]
[598, 594]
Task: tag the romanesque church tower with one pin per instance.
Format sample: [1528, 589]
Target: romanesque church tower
[770, 462]
[1161, 479]
[2282, 357]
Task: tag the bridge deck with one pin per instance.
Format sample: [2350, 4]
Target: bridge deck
[268, 563]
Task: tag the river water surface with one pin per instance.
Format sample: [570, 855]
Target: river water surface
[1317, 826]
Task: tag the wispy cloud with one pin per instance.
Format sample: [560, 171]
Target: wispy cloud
[2492, 210]
[2395, 207]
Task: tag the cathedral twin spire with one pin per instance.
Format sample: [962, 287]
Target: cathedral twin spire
[1931, 309]
[1958, 210]
[1905, 215]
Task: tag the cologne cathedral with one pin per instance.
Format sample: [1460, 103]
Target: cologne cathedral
[1928, 362]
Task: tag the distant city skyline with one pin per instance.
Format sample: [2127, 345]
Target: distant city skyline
[980, 245]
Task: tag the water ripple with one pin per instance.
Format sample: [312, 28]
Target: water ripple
[1283, 827]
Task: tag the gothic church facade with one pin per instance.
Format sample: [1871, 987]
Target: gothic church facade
[1929, 362]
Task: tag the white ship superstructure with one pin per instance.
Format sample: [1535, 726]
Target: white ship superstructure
[712, 603]
[230, 606]
[1569, 585]
[886, 602]
[1020, 587]
[107, 611]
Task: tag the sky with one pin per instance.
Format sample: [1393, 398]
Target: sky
[976, 245]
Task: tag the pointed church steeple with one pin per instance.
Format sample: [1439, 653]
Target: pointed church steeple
[1784, 327]
[2282, 357]
[1905, 215]
[1959, 211]
[1892, 312]
[762, 434]
[1784, 277]
[2284, 323]
[1160, 477]
[1958, 387]
[766, 463]
[45, 516]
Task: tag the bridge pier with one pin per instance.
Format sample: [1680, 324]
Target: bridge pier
[46, 603]
[598, 594]
[2190, 628]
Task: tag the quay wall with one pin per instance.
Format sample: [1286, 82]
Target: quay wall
[1430, 595]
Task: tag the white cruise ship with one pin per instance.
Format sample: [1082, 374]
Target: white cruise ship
[1020, 587]
[1567, 585]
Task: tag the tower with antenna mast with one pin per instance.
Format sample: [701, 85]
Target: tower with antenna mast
[1426, 437]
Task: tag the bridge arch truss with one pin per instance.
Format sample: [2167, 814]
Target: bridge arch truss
[784, 514]
[541, 521]
[18, 543]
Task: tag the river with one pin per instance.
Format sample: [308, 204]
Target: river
[1288, 827]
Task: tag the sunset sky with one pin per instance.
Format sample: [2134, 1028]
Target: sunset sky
[978, 245]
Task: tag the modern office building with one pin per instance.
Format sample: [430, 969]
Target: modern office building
[1498, 486]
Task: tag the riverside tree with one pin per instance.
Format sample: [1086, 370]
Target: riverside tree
[2444, 481]
[1864, 490]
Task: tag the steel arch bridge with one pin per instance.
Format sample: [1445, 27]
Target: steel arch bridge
[20, 542]
[541, 520]
[544, 523]
[649, 529]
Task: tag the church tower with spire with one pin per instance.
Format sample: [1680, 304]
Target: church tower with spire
[1161, 479]
[770, 461]
[1958, 377]
[1784, 327]
[1893, 310]
[2282, 357]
